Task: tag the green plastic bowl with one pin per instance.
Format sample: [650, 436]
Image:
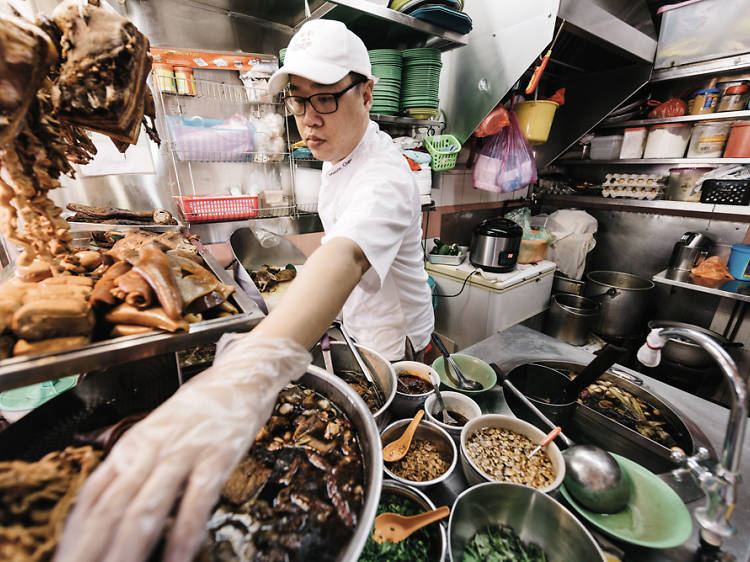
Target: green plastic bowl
[472, 368]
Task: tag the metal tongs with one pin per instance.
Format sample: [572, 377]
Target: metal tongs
[353, 348]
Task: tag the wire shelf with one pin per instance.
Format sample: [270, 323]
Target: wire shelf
[221, 92]
[227, 156]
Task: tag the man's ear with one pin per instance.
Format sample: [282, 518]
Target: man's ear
[367, 93]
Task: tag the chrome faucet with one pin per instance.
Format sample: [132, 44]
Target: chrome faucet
[721, 482]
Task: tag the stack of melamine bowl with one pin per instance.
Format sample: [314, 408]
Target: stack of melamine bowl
[282, 53]
[386, 65]
[421, 79]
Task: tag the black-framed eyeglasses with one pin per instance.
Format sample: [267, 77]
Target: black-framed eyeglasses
[322, 103]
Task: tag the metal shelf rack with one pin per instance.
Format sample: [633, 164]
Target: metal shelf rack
[214, 97]
[723, 116]
[654, 161]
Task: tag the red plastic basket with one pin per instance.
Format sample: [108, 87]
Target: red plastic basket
[203, 208]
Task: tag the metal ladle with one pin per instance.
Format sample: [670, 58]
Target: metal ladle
[592, 475]
[463, 382]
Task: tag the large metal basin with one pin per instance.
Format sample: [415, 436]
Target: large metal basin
[383, 373]
[341, 394]
[588, 426]
[532, 514]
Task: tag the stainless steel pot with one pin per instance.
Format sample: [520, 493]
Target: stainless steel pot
[382, 370]
[347, 400]
[571, 318]
[624, 300]
[562, 284]
[685, 352]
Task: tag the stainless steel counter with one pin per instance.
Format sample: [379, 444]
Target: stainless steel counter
[519, 345]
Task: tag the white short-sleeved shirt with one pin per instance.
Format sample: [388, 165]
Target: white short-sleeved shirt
[370, 197]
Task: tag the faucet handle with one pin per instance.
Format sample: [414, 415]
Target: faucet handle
[701, 454]
[678, 456]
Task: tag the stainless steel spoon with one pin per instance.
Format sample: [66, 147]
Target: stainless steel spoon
[463, 382]
[447, 419]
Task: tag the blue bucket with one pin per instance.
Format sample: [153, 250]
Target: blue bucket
[739, 262]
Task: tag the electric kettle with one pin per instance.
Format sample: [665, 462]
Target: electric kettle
[690, 250]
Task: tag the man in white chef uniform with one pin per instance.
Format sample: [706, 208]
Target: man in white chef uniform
[370, 264]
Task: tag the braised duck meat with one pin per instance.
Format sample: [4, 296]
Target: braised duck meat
[23, 347]
[86, 213]
[268, 277]
[297, 494]
[26, 53]
[104, 66]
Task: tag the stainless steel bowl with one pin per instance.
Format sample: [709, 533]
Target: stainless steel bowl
[534, 516]
[425, 430]
[349, 402]
[385, 376]
[440, 544]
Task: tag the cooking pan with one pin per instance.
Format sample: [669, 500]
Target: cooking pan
[687, 353]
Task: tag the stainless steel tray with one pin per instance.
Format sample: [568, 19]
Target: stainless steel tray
[29, 369]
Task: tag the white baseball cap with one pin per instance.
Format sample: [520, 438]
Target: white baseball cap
[323, 51]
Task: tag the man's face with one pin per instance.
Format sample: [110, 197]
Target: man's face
[332, 136]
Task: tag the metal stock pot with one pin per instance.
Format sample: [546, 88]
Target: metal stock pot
[624, 300]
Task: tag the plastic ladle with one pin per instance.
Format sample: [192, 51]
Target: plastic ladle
[393, 527]
[463, 382]
[396, 450]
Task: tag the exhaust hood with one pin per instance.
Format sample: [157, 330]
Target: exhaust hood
[602, 57]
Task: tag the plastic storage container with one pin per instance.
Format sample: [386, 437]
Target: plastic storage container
[708, 139]
[667, 141]
[606, 147]
[739, 262]
[682, 181]
[738, 144]
[704, 101]
[700, 31]
[735, 98]
[724, 86]
[633, 142]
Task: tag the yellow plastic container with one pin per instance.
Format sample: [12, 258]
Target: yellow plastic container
[535, 118]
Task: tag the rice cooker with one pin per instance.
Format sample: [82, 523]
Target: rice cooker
[495, 244]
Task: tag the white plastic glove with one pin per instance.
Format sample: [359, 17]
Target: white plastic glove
[190, 444]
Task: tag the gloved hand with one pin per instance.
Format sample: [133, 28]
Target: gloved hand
[190, 444]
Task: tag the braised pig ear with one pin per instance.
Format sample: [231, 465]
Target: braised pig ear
[153, 265]
[194, 280]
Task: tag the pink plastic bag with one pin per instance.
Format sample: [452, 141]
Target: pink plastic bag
[506, 162]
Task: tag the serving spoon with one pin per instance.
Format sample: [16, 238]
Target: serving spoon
[447, 418]
[396, 450]
[463, 382]
[393, 527]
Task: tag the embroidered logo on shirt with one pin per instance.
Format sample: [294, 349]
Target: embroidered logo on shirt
[340, 166]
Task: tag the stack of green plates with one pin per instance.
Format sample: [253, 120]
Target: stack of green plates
[386, 65]
[421, 79]
[282, 52]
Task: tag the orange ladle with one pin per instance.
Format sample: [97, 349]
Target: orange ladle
[396, 450]
[393, 527]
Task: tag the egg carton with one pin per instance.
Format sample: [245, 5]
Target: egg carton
[634, 180]
[633, 192]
